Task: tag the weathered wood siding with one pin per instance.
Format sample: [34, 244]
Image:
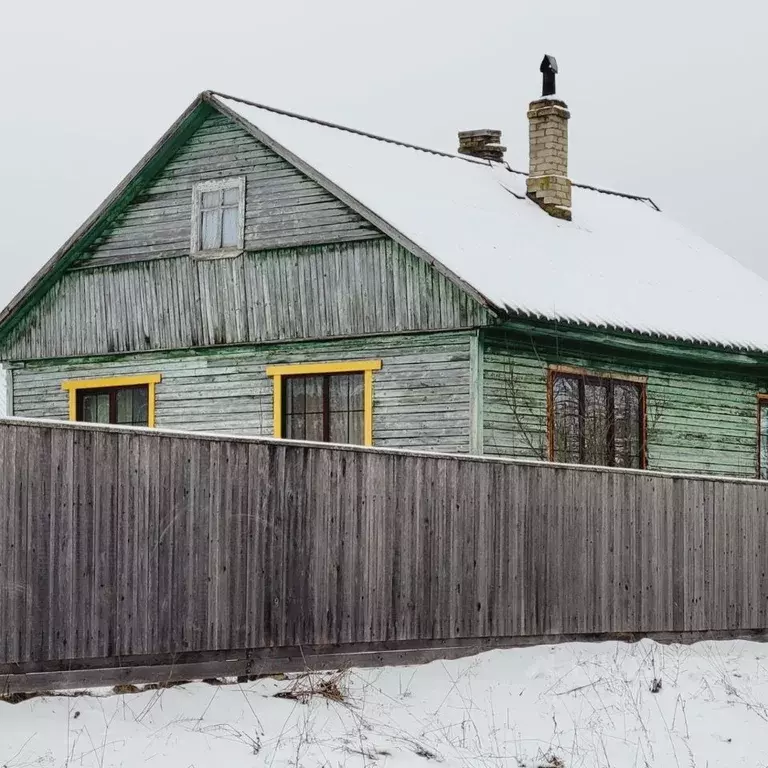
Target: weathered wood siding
[698, 420]
[115, 543]
[421, 394]
[283, 207]
[4, 391]
[346, 289]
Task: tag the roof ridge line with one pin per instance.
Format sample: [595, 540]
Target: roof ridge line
[641, 198]
[357, 131]
[408, 145]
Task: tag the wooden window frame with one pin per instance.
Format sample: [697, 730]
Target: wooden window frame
[74, 386]
[564, 370]
[762, 402]
[366, 367]
[215, 185]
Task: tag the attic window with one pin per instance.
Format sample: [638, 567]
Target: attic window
[218, 216]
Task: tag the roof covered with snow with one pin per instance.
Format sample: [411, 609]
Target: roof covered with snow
[620, 263]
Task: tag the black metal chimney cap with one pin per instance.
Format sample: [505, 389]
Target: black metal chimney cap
[548, 71]
[548, 64]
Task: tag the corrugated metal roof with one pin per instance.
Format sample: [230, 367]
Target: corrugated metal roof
[620, 263]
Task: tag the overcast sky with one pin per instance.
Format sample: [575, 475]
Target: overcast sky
[666, 96]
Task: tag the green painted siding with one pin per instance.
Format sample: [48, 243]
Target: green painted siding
[421, 394]
[345, 289]
[312, 268]
[282, 208]
[699, 420]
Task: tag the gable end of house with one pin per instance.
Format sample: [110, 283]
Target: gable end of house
[309, 265]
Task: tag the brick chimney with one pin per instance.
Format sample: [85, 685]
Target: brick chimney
[548, 182]
[485, 144]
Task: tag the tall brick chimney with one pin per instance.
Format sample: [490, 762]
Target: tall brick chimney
[548, 182]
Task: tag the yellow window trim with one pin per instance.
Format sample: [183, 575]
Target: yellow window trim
[366, 367]
[72, 386]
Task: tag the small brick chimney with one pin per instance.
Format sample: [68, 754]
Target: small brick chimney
[485, 144]
[548, 182]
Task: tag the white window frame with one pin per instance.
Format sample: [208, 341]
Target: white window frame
[212, 185]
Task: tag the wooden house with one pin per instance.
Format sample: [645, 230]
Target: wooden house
[264, 273]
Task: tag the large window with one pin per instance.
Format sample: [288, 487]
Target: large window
[596, 420]
[762, 437]
[324, 402]
[128, 400]
[218, 214]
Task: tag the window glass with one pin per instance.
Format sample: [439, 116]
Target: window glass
[597, 421]
[325, 408]
[132, 405]
[211, 199]
[627, 424]
[209, 237]
[95, 407]
[114, 405]
[230, 225]
[763, 448]
[232, 196]
[567, 423]
[124, 406]
[219, 224]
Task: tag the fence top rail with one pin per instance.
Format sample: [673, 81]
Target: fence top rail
[17, 421]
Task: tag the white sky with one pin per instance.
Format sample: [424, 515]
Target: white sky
[665, 96]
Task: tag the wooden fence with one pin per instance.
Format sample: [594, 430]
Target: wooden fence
[127, 549]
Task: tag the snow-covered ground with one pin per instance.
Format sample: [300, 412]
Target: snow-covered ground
[569, 705]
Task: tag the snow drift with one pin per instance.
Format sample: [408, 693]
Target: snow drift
[572, 705]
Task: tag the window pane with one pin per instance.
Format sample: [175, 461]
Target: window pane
[209, 230]
[232, 196]
[294, 395]
[338, 387]
[294, 427]
[339, 427]
[230, 227]
[132, 406]
[95, 407]
[141, 407]
[303, 417]
[210, 199]
[567, 427]
[596, 422]
[124, 406]
[356, 428]
[314, 427]
[356, 392]
[764, 441]
[627, 424]
[313, 394]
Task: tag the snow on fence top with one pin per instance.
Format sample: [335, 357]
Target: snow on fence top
[620, 263]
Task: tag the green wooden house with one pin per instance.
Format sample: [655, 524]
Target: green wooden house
[264, 273]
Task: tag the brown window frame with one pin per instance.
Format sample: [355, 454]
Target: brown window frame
[326, 388]
[584, 375]
[81, 394]
[762, 402]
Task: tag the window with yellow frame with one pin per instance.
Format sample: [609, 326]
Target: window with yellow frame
[126, 400]
[325, 402]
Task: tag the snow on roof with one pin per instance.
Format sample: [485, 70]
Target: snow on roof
[620, 263]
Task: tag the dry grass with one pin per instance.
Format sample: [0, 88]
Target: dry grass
[309, 685]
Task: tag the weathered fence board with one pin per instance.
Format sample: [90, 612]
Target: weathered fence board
[121, 544]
